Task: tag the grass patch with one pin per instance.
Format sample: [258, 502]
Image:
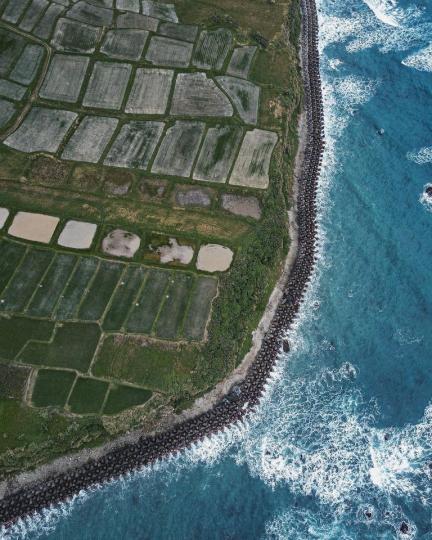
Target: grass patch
[124, 397]
[73, 347]
[87, 396]
[135, 360]
[31, 437]
[52, 387]
[13, 380]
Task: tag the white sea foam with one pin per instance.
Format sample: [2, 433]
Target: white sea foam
[425, 199]
[44, 522]
[385, 10]
[421, 60]
[422, 156]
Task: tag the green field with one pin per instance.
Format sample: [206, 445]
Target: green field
[52, 387]
[87, 396]
[86, 336]
[124, 397]
[73, 347]
[15, 332]
[123, 298]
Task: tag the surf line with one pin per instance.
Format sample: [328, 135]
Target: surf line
[244, 396]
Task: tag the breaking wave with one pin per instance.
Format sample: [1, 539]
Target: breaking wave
[421, 60]
[422, 156]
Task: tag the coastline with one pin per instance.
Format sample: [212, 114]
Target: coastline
[240, 393]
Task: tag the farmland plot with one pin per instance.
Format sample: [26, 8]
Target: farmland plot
[245, 96]
[128, 5]
[12, 47]
[87, 13]
[184, 32]
[34, 11]
[64, 78]
[14, 10]
[125, 397]
[150, 91]
[158, 10]
[196, 95]
[52, 387]
[77, 234]
[76, 288]
[120, 243]
[214, 258]
[25, 280]
[7, 110]
[90, 139]
[101, 289]
[11, 256]
[123, 298]
[45, 298]
[26, 68]
[15, 332]
[12, 90]
[45, 26]
[217, 154]
[124, 44]
[241, 206]
[241, 61]
[87, 396]
[212, 49]
[33, 227]
[199, 308]
[252, 166]
[4, 214]
[171, 316]
[135, 145]
[178, 149]
[73, 347]
[146, 308]
[135, 20]
[42, 130]
[107, 85]
[169, 52]
[75, 36]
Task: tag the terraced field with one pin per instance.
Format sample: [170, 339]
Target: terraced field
[146, 157]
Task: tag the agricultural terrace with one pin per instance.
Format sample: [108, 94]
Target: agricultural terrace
[146, 162]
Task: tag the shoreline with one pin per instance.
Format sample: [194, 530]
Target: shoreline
[240, 393]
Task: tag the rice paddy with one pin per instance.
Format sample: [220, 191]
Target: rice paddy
[197, 95]
[64, 78]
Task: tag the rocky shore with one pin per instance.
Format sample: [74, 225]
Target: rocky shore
[244, 396]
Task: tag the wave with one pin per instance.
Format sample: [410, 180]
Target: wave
[364, 29]
[421, 60]
[422, 156]
[385, 10]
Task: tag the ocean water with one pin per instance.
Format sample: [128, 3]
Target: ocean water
[345, 428]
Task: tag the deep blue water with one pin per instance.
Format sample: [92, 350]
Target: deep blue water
[347, 423]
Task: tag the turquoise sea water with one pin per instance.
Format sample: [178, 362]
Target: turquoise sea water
[346, 425]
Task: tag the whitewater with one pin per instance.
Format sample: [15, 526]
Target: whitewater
[341, 445]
